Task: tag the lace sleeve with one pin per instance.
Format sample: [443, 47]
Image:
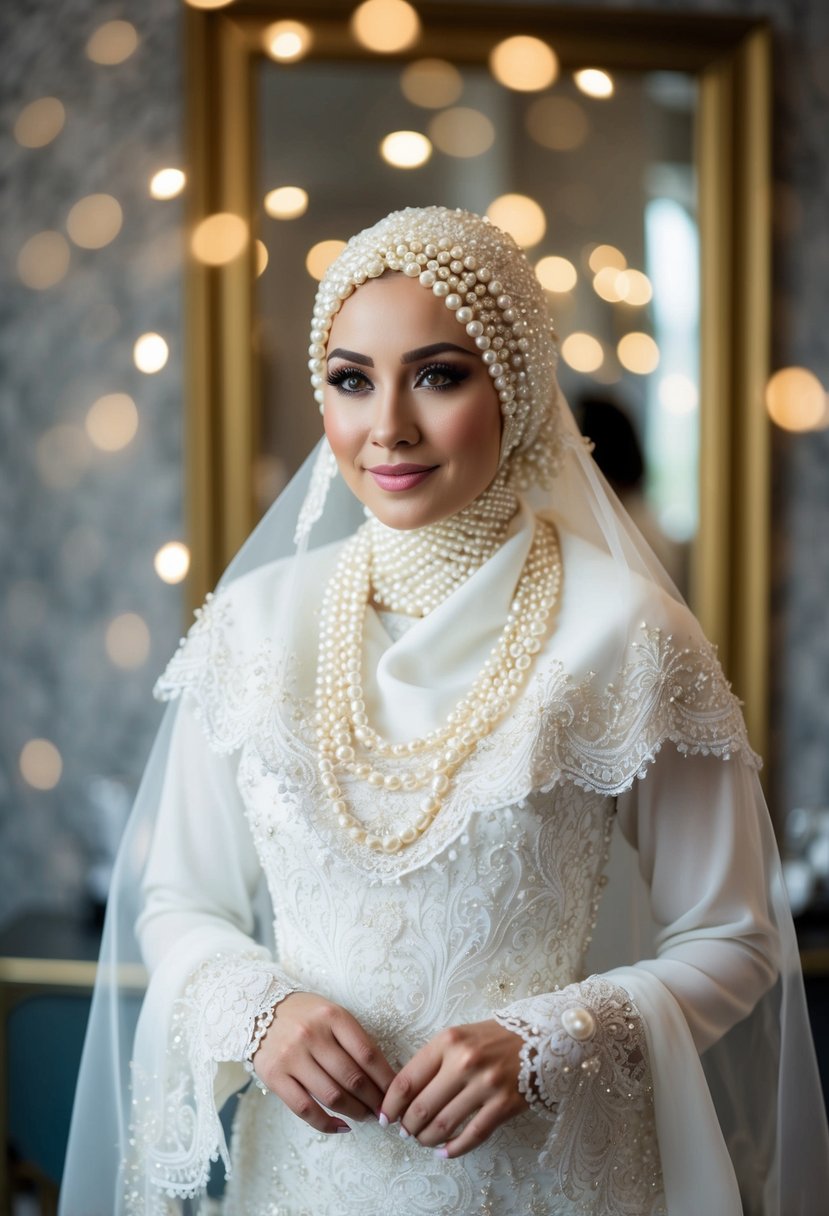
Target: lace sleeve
[584, 1067]
[220, 1020]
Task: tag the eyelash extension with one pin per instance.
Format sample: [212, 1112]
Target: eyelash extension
[340, 374]
[454, 374]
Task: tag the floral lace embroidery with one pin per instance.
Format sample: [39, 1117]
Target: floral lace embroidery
[561, 730]
[584, 1066]
[176, 1133]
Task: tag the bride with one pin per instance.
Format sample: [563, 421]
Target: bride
[455, 736]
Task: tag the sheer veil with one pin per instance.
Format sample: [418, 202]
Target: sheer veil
[762, 1074]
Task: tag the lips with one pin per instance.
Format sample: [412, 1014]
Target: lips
[397, 477]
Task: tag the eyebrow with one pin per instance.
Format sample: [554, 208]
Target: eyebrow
[411, 356]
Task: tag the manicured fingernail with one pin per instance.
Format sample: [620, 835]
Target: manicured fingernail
[404, 1135]
[342, 1127]
[442, 1152]
[383, 1120]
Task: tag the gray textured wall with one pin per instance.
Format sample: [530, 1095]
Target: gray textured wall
[73, 557]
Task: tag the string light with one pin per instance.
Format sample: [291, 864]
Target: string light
[385, 26]
[287, 41]
[112, 43]
[321, 255]
[462, 132]
[150, 353]
[406, 149]
[41, 764]
[593, 82]
[167, 183]
[557, 123]
[431, 83]
[286, 202]
[219, 238]
[172, 562]
[582, 352]
[524, 63]
[43, 261]
[40, 122]
[112, 421]
[556, 274]
[94, 221]
[520, 216]
[796, 400]
[638, 353]
[127, 640]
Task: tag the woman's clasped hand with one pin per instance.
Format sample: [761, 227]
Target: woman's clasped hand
[451, 1096]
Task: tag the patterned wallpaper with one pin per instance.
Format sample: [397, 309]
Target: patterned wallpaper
[79, 526]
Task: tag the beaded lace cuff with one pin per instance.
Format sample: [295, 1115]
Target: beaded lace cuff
[221, 1018]
[584, 1067]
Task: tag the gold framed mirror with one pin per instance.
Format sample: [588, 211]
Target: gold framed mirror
[727, 61]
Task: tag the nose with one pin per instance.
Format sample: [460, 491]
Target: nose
[393, 423]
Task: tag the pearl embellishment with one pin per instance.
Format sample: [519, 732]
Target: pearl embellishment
[579, 1023]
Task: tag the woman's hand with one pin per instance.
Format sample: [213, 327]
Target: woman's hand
[316, 1052]
[465, 1072]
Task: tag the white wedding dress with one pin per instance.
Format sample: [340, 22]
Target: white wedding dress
[626, 735]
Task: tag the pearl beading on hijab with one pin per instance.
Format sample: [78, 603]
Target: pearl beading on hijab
[414, 571]
[486, 281]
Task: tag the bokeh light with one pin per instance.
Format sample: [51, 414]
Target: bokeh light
[524, 63]
[150, 353]
[519, 215]
[172, 562]
[286, 202]
[321, 255]
[219, 238]
[796, 399]
[405, 149]
[112, 43]
[39, 122]
[431, 83]
[593, 82]
[208, 4]
[582, 352]
[462, 131]
[262, 258]
[167, 183]
[638, 353]
[112, 421]
[602, 256]
[556, 274]
[94, 221]
[634, 287]
[606, 284]
[41, 764]
[557, 123]
[385, 26]
[127, 640]
[43, 261]
[287, 41]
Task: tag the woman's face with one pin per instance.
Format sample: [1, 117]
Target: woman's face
[410, 409]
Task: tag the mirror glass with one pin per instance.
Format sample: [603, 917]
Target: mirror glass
[606, 208]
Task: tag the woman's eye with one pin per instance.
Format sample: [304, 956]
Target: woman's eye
[440, 376]
[348, 380]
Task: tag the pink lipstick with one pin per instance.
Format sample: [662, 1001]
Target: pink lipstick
[400, 476]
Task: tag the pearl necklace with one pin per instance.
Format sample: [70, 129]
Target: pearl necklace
[414, 571]
[346, 741]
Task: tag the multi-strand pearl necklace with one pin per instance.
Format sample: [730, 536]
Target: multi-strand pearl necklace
[414, 571]
[349, 744]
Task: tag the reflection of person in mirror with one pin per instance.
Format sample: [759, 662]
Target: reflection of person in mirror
[618, 453]
[450, 717]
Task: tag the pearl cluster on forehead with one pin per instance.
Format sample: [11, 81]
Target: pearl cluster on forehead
[486, 281]
[347, 743]
[414, 571]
